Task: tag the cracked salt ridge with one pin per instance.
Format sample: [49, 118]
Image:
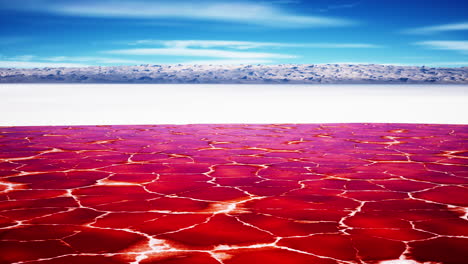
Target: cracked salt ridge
[331, 193]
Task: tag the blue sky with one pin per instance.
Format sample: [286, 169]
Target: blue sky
[41, 33]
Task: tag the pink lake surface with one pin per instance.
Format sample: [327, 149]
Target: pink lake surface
[232, 194]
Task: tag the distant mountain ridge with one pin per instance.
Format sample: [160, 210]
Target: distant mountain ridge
[233, 74]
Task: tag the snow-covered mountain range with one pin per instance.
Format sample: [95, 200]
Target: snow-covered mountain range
[251, 74]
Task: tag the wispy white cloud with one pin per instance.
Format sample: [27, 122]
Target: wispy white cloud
[342, 45]
[23, 58]
[244, 45]
[239, 45]
[93, 60]
[233, 51]
[259, 13]
[188, 52]
[37, 64]
[32, 61]
[438, 28]
[455, 45]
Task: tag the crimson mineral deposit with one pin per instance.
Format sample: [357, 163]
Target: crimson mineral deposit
[234, 194]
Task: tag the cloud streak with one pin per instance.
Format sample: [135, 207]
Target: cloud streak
[244, 45]
[460, 46]
[37, 64]
[238, 45]
[213, 53]
[224, 49]
[438, 28]
[228, 52]
[342, 46]
[23, 58]
[245, 12]
[92, 60]
[32, 61]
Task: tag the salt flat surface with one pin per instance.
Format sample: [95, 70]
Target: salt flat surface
[91, 104]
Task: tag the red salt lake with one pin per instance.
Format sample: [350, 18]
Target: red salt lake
[232, 194]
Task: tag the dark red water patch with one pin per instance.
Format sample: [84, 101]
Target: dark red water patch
[455, 195]
[273, 256]
[16, 251]
[78, 216]
[84, 259]
[375, 220]
[440, 250]
[336, 246]
[371, 248]
[282, 227]
[168, 223]
[444, 226]
[399, 234]
[99, 240]
[219, 230]
[38, 232]
[375, 195]
[234, 194]
[183, 257]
